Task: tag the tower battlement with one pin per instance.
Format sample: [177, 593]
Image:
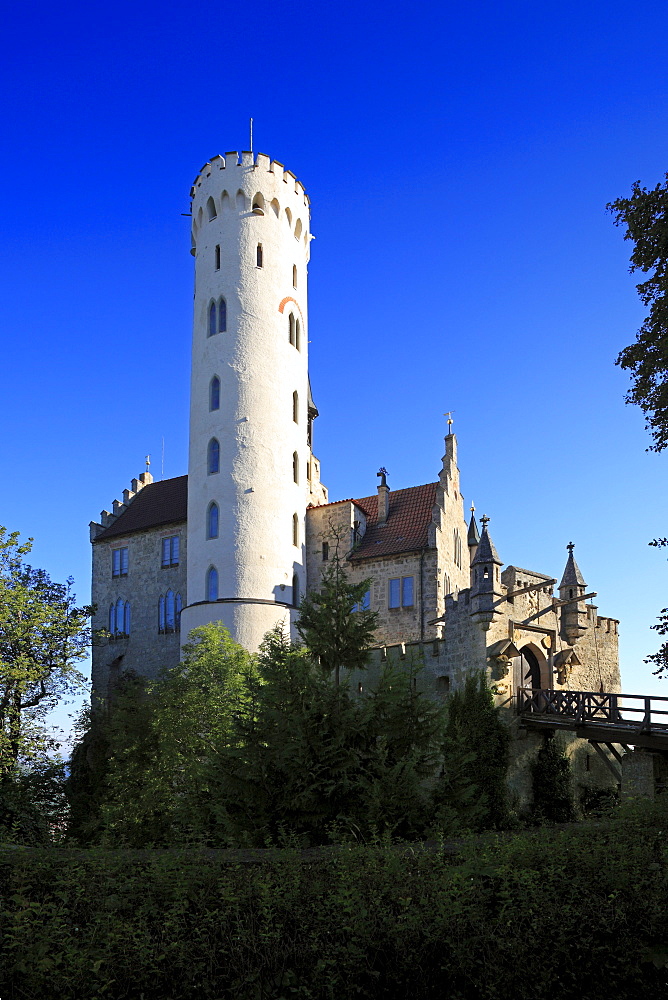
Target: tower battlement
[252, 165]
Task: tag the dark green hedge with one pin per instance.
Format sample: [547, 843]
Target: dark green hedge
[572, 912]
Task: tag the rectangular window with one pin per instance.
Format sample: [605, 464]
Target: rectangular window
[170, 551]
[217, 258]
[394, 594]
[400, 594]
[119, 562]
[325, 551]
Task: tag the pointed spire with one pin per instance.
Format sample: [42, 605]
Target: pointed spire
[486, 551]
[572, 576]
[473, 537]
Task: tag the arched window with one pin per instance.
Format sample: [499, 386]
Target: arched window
[211, 209]
[295, 467]
[288, 216]
[295, 530]
[258, 255]
[212, 319]
[120, 616]
[457, 548]
[298, 229]
[446, 585]
[294, 275]
[169, 611]
[295, 590]
[217, 257]
[161, 614]
[212, 520]
[276, 207]
[291, 328]
[214, 393]
[212, 584]
[112, 619]
[224, 201]
[213, 456]
[179, 606]
[297, 336]
[258, 204]
[241, 201]
[222, 316]
[295, 407]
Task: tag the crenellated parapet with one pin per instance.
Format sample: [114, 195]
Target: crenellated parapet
[108, 517]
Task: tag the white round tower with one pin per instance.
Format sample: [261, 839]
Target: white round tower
[250, 410]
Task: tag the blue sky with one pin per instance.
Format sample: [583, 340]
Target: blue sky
[458, 158]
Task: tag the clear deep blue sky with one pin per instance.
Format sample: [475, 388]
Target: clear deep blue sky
[458, 157]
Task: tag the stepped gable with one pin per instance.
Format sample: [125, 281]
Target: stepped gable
[159, 503]
[407, 525]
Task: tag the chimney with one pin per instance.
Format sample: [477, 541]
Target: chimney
[383, 496]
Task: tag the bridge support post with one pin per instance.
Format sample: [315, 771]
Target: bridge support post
[638, 775]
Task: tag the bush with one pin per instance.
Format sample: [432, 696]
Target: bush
[554, 913]
[551, 777]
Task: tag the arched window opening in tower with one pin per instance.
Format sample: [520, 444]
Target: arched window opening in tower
[241, 201]
[297, 336]
[295, 530]
[288, 216]
[295, 467]
[295, 590]
[222, 316]
[276, 207]
[295, 407]
[169, 612]
[212, 319]
[212, 584]
[291, 329]
[211, 209]
[214, 393]
[258, 255]
[212, 519]
[217, 258]
[294, 275]
[179, 607]
[258, 204]
[112, 620]
[298, 229]
[161, 614]
[213, 456]
[224, 201]
[446, 585]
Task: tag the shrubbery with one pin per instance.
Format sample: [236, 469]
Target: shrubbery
[547, 915]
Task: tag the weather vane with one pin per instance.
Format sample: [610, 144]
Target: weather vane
[148, 462]
[450, 420]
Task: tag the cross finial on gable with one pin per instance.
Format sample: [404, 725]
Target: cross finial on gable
[484, 520]
[570, 547]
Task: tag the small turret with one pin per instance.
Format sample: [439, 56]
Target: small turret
[473, 536]
[574, 615]
[485, 579]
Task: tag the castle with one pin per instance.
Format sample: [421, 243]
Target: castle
[250, 528]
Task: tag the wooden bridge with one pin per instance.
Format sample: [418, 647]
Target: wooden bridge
[611, 720]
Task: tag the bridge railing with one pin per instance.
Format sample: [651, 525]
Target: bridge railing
[636, 711]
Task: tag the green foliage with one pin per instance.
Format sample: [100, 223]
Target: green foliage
[336, 634]
[552, 790]
[645, 216]
[556, 914]
[476, 750]
[42, 636]
[33, 807]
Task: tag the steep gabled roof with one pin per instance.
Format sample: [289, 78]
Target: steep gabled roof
[407, 525]
[156, 504]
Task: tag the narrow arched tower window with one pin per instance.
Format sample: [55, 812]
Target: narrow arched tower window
[212, 518]
[295, 590]
[161, 614]
[212, 319]
[211, 209]
[295, 407]
[294, 275]
[291, 328]
[214, 393]
[112, 619]
[217, 258]
[295, 530]
[295, 467]
[297, 336]
[169, 611]
[258, 255]
[213, 456]
[212, 584]
[222, 316]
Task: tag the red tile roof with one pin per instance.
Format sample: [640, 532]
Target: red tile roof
[407, 525]
[156, 504]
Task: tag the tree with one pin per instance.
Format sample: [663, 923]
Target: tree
[43, 635]
[333, 623]
[645, 215]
